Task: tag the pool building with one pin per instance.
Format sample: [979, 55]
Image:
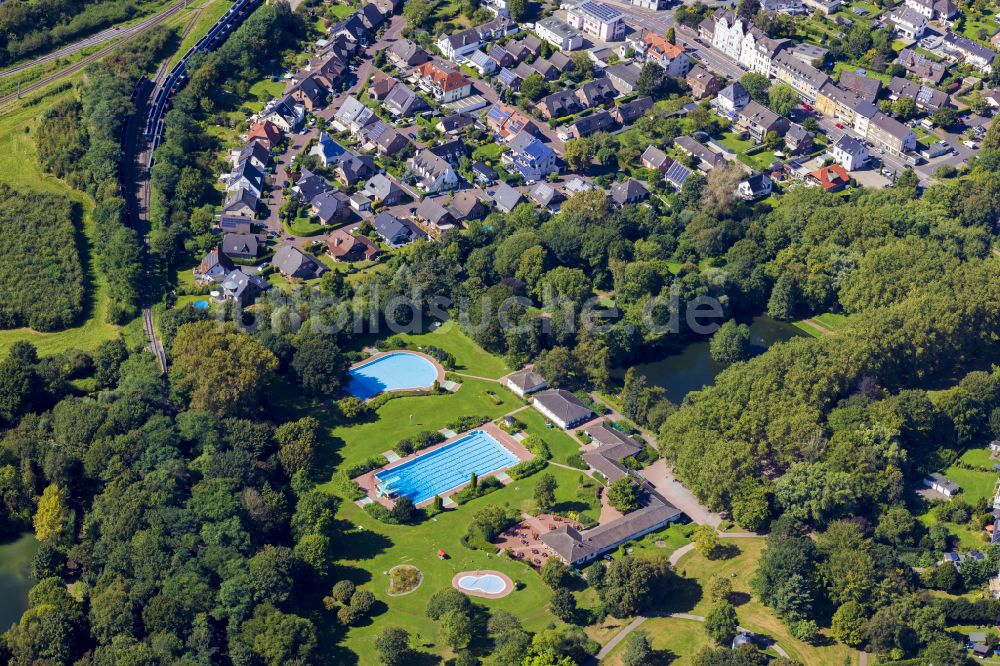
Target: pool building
[445, 468]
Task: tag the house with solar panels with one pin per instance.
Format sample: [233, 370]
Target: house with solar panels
[531, 158]
[597, 19]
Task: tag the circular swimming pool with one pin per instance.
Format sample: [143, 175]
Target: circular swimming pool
[485, 583]
[395, 371]
[201, 305]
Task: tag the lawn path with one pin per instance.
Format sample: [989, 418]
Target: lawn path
[484, 379]
[812, 323]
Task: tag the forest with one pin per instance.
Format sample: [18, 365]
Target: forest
[40, 264]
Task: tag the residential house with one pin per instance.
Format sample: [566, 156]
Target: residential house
[891, 135]
[921, 66]
[908, 23]
[214, 267]
[548, 71]
[676, 174]
[707, 159]
[629, 112]
[371, 16]
[342, 245]
[240, 246]
[825, 7]
[255, 152]
[941, 484]
[389, 141]
[669, 56]
[623, 76]
[559, 34]
[466, 41]
[466, 205]
[562, 408]
[559, 104]
[360, 202]
[267, 133]
[453, 151]
[383, 190]
[329, 71]
[286, 113]
[240, 203]
[798, 139]
[628, 191]
[865, 87]
[354, 169]
[933, 9]
[507, 198]
[561, 62]
[310, 185]
[380, 85]
[454, 123]
[497, 7]
[597, 19]
[805, 79]
[433, 173]
[353, 115]
[508, 122]
[500, 56]
[654, 158]
[525, 382]
[510, 79]
[242, 288]
[330, 206]
[758, 121]
[970, 52]
[755, 186]
[234, 225]
[587, 125]
[404, 54]
[247, 177]
[731, 99]
[328, 151]
[444, 82]
[831, 178]
[702, 83]
[483, 173]
[310, 93]
[402, 102]
[531, 158]
[292, 262]
[926, 98]
[434, 214]
[481, 62]
[597, 92]
[396, 232]
[545, 196]
[845, 105]
[517, 51]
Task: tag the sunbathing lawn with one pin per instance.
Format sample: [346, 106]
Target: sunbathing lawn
[371, 550]
[406, 416]
[561, 445]
[470, 358]
[753, 615]
[681, 639]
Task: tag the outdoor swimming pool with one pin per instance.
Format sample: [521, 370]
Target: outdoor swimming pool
[200, 305]
[448, 467]
[488, 583]
[392, 372]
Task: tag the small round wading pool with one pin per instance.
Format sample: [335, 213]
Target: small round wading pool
[483, 583]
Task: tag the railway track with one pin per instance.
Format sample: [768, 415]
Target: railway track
[84, 62]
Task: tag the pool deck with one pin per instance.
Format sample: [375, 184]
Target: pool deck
[368, 482]
[376, 356]
[508, 584]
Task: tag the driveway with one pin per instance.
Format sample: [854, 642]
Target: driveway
[677, 494]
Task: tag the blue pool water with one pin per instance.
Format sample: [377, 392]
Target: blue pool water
[201, 305]
[488, 583]
[392, 372]
[445, 468]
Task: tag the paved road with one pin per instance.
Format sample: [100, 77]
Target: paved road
[99, 38]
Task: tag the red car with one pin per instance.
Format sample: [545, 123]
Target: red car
[806, 107]
[839, 125]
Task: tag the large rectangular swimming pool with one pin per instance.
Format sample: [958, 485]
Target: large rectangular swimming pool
[446, 468]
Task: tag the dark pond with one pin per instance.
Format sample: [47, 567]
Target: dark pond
[15, 579]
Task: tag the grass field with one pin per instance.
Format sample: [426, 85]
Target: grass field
[752, 614]
[19, 168]
[678, 640]
[470, 358]
[560, 444]
[828, 320]
[975, 484]
[373, 548]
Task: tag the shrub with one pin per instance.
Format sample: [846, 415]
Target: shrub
[344, 486]
[526, 468]
[576, 460]
[467, 423]
[363, 468]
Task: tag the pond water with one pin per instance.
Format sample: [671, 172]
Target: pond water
[15, 579]
[693, 368]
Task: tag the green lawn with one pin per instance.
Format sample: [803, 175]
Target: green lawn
[339, 11]
[304, 226]
[373, 548]
[829, 320]
[753, 615]
[968, 538]
[470, 358]
[975, 485]
[488, 152]
[19, 168]
[406, 416]
[732, 141]
[560, 444]
[680, 639]
[980, 458]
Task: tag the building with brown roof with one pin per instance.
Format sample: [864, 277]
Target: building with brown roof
[343, 246]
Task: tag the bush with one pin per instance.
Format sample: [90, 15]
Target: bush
[576, 460]
[537, 446]
[344, 486]
[526, 468]
[483, 487]
[467, 423]
[363, 468]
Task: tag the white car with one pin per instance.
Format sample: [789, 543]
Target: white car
[263, 267]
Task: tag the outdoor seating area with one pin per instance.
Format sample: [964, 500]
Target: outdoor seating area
[523, 540]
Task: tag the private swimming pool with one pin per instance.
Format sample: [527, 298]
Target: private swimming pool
[392, 372]
[448, 467]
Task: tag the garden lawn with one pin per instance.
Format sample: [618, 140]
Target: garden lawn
[488, 152]
[680, 640]
[674, 536]
[733, 142]
[975, 485]
[19, 168]
[968, 537]
[470, 358]
[406, 416]
[980, 458]
[561, 445]
[375, 547]
[752, 615]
